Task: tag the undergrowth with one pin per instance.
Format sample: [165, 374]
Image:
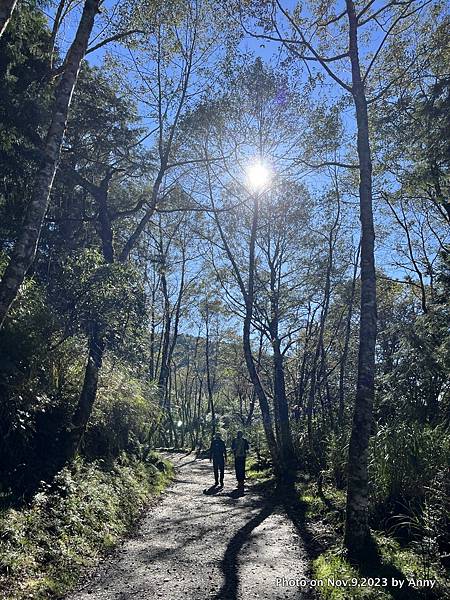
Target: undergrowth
[45, 546]
[338, 578]
[257, 470]
[342, 580]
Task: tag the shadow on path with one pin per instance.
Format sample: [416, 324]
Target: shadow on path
[235, 494]
[296, 511]
[213, 490]
[229, 564]
[178, 467]
[288, 501]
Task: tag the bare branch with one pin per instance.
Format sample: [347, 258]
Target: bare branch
[114, 38]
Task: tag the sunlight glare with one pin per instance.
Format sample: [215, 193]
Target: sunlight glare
[258, 176]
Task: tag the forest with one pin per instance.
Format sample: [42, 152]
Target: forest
[223, 216]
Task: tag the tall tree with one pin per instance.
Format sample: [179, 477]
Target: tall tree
[267, 126]
[25, 104]
[171, 55]
[24, 249]
[306, 37]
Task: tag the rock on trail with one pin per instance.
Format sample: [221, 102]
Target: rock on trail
[197, 547]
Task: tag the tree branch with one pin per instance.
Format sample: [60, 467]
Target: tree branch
[114, 38]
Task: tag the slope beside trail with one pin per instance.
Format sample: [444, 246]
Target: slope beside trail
[196, 547]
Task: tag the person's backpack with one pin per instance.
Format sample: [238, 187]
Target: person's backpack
[240, 447]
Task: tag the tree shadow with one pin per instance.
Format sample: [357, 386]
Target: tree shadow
[295, 509]
[229, 564]
[371, 565]
[284, 497]
[235, 494]
[190, 462]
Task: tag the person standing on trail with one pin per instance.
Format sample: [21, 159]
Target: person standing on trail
[240, 448]
[218, 454]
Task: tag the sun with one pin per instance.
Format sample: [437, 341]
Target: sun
[258, 176]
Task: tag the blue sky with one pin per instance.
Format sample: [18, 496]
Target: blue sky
[269, 52]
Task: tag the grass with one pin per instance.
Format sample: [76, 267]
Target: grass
[315, 507]
[331, 566]
[257, 472]
[373, 580]
[46, 545]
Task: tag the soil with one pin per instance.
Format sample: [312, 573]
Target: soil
[196, 546]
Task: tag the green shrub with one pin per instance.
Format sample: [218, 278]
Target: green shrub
[66, 527]
[428, 526]
[258, 470]
[123, 414]
[336, 457]
[405, 458]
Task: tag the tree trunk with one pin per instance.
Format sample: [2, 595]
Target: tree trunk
[199, 410]
[164, 370]
[6, 10]
[259, 390]
[209, 383]
[261, 394]
[285, 445]
[251, 408]
[345, 351]
[25, 247]
[73, 435]
[103, 223]
[357, 532]
[311, 399]
[315, 370]
[170, 334]
[303, 375]
[59, 14]
[104, 220]
[172, 429]
[285, 441]
[152, 371]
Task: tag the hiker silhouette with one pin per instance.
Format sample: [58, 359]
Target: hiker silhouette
[240, 447]
[218, 455]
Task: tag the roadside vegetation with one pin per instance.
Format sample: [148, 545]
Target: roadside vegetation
[69, 525]
[405, 548]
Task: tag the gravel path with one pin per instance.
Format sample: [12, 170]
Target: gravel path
[198, 547]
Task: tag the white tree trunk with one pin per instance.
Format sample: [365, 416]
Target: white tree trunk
[25, 248]
[6, 10]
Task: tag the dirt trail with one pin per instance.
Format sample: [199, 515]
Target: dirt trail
[198, 547]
